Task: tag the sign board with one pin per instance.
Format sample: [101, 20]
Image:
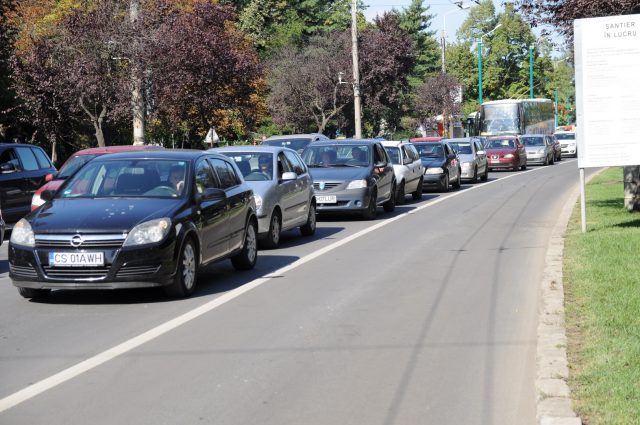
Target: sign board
[607, 63]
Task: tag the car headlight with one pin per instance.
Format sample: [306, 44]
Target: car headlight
[22, 234]
[508, 156]
[357, 184]
[149, 232]
[434, 170]
[467, 164]
[541, 150]
[36, 200]
[258, 200]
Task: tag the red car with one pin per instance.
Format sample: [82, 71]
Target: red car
[506, 152]
[75, 162]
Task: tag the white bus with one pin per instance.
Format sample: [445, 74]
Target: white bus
[517, 116]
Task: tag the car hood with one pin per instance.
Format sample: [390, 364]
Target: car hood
[435, 162]
[533, 148]
[340, 173]
[466, 157]
[500, 151]
[99, 215]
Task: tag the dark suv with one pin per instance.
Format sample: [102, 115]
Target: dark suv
[23, 169]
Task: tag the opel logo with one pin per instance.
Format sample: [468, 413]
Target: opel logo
[76, 241]
[321, 186]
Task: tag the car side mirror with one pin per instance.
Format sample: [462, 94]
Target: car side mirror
[7, 167]
[482, 152]
[47, 195]
[380, 164]
[288, 176]
[50, 177]
[451, 156]
[210, 194]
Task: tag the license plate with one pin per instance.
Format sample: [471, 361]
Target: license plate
[326, 199]
[76, 259]
[495, 161]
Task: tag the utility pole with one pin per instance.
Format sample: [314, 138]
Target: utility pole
[137, 99]
[356, 69]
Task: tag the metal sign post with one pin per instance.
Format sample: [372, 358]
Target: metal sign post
[583, 202]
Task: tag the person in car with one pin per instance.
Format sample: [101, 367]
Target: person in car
[265, 163]
[176, 178]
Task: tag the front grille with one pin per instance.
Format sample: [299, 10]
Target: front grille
[23, 271]
[76, 273]
[88, 241]
[129, 271]
[327, 185]
[335, 204]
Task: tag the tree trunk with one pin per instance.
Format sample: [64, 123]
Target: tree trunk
[632, 187]
[137, 98]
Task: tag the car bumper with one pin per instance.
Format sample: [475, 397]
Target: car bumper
[123, 268]
[356, 200]
[433, 180]
[467, 173]
[569, 150]
[504, 163]
[536, 158]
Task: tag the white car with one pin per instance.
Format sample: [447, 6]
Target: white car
[567, 141]
[407, 168]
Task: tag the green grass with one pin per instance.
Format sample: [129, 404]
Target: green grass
[602, 288]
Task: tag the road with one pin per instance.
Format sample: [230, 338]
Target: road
[426, 318]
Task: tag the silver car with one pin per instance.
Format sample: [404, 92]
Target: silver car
[407, 168]
[473, 158]
[282, 187]
[540, 148]
[297, 142]
[2, 225]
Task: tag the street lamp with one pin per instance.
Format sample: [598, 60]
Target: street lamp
[444, 29]
[479, 43]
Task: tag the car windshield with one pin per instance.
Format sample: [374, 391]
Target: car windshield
[254, 166]
[297, 144]
[73, 164]
[565, 136]
[533, 141]
[461, 148]
[394, 154]
[126, 178]
[430, 150]
[501, 144]
[338, 155]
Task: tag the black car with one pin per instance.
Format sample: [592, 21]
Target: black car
[351, 176]
[136, 219]
[2, 226]
[441, 165]
[23, 169]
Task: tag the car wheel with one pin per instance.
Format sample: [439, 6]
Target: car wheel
[559, 158]
[553, 159]
[475, 175]
[390, 205]
[34, 293]
[401, 195]
[309, 229]
[485, 176]
[458, 182]
[546, 160]
[444, 187]
[524, 166]
[273, 235]
[184, 282]
[417, 195]
[247, 257]
[372, 208]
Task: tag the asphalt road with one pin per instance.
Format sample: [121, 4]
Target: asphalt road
[429, 318]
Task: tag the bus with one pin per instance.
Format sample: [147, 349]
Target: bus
[517, 116]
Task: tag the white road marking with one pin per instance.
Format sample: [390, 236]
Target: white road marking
[103, 357]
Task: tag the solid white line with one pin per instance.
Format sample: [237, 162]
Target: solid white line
[103, 357]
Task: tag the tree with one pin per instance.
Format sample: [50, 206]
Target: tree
[436, 96]
[416, 21]
[561, 14]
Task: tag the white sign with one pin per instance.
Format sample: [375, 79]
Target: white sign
[607, 55]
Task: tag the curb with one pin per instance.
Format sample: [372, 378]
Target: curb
[553, 397]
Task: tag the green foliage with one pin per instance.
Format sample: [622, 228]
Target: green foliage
[416, 21]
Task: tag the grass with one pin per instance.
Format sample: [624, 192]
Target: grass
[602, 289]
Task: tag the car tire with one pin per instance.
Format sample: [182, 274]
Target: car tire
[390, 205]
[485, 176]
[272, 240]
[372, 207]
[417, 195]
[475, 175]
[444, 187]
[546, 161]
[34, 293]
[400, 194]
[553, 159]
[184, 282]
[458, 182]
[248, 256]
[309, 228]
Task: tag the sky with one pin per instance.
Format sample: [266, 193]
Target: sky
[454, 15]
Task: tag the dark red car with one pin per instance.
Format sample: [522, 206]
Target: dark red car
[506, 152]
[76, 161]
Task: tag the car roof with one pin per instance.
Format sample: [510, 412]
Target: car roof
[117, 149]
[346, 142]
[294, 136]
[252, 148]
[426, 139]
[459, 140]
[505, 136]
[20, 145]
[394, 143]
[183, 154]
